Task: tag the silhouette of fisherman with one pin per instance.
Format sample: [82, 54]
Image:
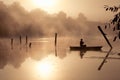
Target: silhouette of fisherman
[82, 45]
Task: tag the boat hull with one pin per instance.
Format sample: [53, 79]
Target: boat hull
[89, 48]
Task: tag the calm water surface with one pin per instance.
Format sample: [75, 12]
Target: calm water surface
[40, 63]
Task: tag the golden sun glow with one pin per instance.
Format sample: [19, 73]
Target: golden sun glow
[45, 68]
[45, 4]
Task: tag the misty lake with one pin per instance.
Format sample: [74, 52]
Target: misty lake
[38, 61]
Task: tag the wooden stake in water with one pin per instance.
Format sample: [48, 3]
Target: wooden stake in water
[26, 40]
[26, 43]
[55, 44]
[20, 41]
[11, 43]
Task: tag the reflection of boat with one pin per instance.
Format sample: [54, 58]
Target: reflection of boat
[89, 48]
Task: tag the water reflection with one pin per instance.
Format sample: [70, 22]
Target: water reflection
[40, 49]
[40, 63]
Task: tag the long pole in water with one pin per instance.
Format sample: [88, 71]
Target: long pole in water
[20, 41]
[55, 44]
[26, 40]
[104, 60]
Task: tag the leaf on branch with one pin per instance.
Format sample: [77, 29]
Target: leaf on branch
[114, 29]
[119, 14]
[105, 26]
[114, 38]
[106, 9]
[118, 26]
[109, 25]
[119, 20]
[115, 9]
[111, 8]
[119, 34]
[115, 19]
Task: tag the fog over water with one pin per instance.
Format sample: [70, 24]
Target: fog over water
[15, 21]
[22, 61]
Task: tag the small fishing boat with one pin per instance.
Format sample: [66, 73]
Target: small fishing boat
[87, 48]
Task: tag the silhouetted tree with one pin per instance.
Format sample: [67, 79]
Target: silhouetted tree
[115, 25]
[115, 22]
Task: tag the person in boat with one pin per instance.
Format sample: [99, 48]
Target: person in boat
[82, 43]
[83, 50]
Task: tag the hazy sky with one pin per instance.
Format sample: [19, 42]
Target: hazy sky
[93, 9]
